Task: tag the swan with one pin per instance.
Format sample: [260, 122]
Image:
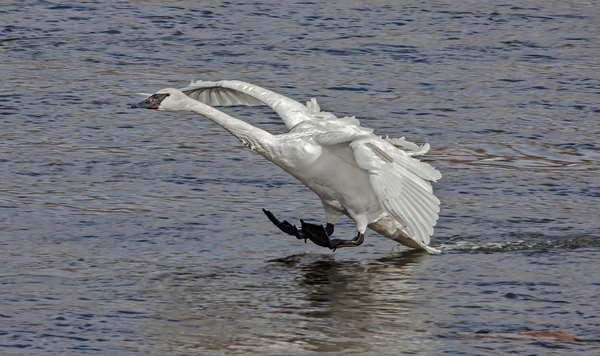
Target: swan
[374, 180]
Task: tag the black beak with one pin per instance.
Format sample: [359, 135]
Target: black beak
[152, 102]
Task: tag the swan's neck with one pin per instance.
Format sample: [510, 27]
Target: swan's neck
[256, 139]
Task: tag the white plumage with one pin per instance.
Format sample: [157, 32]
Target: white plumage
[374, 180]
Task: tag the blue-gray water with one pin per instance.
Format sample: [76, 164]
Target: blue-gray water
[137, 232]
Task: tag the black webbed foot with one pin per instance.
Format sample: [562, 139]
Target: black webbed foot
[284, 226]
[315, 233]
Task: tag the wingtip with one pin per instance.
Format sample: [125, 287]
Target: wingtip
[313, 106]
[431, 250]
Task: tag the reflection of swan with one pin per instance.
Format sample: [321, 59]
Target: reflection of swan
[322, 273]
[346, 282]
[365, 305]
[373, 180]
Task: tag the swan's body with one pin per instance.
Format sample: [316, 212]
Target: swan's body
[373, 180]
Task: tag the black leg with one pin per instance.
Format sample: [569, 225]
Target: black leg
[357, 241]
[329, 229]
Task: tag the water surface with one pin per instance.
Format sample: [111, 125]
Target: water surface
[136, 232]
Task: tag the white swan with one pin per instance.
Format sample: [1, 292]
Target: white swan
[374, 180]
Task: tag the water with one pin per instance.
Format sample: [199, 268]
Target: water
[137, 232]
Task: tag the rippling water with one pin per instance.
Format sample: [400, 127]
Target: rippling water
[136, 232]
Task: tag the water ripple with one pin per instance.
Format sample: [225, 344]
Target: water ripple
[129, 231]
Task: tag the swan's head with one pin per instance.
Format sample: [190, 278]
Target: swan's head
[168, 99]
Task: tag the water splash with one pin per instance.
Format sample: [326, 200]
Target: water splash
[540, 243]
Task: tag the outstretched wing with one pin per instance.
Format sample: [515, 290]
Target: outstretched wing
[235, 92]
[211, 93]
[402, 184]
